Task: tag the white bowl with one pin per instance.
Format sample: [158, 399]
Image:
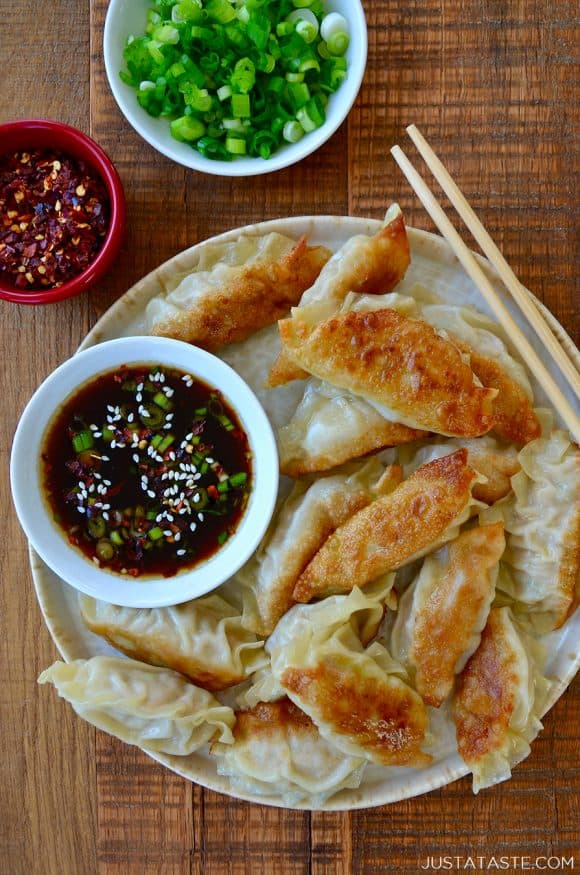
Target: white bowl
[125, 17]
[36, 518]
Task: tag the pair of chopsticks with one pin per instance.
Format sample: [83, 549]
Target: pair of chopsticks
[511, 282]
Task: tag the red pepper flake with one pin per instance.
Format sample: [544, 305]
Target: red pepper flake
[54, 216]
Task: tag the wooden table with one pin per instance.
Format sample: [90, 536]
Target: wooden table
[491, 85]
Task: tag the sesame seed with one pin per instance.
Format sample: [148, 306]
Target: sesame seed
[209, 460]
[178, 536]
[105, 515]
[98, 434]
[110, 408]
[180, 552]
[107, 482]
[200, 517]
[193, 527]
[96, 561]
[151, 493]
[113, 444]
[196, 498]
[93, 427]
[140, 387]
[139, 398]
[168, 533]
[135, 457]
[80, 509]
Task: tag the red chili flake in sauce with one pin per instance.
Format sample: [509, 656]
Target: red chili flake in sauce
[54, 216]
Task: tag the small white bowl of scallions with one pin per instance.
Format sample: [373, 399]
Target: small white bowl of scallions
[235, 87]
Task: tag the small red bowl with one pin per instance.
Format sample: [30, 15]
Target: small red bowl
[51, 135]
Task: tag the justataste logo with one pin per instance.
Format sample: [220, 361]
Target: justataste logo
[491, 863]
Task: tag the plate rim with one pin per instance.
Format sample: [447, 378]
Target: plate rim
[450, 768]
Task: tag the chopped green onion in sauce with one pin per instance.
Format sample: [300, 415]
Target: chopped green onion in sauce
[238, 77]
[147, 470]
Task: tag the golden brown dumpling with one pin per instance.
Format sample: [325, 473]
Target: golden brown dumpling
[403, 366]
[371, 265]
[356, 696]
[498, 702]
[442, 613]
[252, 297]
[417, 517]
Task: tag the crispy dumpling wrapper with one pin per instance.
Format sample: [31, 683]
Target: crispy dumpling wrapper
[204, 639]
[153, 708]
[442, 613]
[499, 699]
[355, 696]
[365, 265]
[304, 521]
[542, 523]
[416, 518]
[252, 284]
[278, 751]
[482, 343]
[402, 366]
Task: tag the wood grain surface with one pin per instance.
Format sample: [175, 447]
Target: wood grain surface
[493, 85]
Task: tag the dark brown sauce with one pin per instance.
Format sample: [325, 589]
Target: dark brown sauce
[138, 494]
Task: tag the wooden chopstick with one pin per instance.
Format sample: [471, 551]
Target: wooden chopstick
[508, 277]
[502, 314]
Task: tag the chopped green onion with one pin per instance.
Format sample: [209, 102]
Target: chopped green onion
[82, 441]
[187, 129]
[236, 146]
[162, 401]
[241, 105]
[224, 92]
[220, 10]
[223, 72]
[238, 479]
[293, 132]
[155, 534]
[165, 443]
[222, 537]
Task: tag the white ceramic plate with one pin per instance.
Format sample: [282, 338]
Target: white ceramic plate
[433, 265]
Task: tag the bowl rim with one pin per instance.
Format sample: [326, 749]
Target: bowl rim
[49, 541]
[241, 166]
[81, 146]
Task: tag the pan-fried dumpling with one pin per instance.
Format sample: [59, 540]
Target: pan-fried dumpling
[479, 339]
[253, 283]
[154, 708]
[364, 265]
[204, 639]
[331, 426]
[401, 366]
[542, 523]
[492, 363]
[441, 615]
[306, 518]
[496, 461]
[355, 696]
[278, 750]
[499, 699]
[420, 515]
